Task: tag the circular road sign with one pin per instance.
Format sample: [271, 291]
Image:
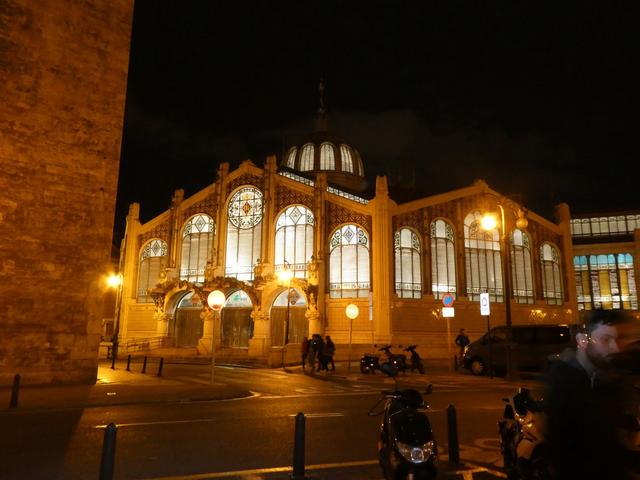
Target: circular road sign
[447, 300]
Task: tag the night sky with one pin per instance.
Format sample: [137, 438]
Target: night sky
[540, 101]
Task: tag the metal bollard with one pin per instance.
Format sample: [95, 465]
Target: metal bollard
[144, 365]
[452, 425]
[298, 448]
[129, 363]
[160, 367]
[15, 390]
[108, 452]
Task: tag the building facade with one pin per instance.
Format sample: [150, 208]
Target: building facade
[307, 215]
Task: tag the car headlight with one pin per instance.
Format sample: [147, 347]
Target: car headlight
[417, 454]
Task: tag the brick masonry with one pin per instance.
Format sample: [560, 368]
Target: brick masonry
[63, 75]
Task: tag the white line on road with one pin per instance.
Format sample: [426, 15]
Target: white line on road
[319, 415]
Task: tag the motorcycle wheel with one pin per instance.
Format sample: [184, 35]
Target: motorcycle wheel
[477, 367]
[420, 368]
[364, 369]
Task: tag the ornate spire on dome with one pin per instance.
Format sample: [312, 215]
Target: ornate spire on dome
[321, 119]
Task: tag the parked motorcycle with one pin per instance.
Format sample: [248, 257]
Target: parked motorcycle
[396, 360]
[407, 446]
[369, 363]
[522, 441]
[416, 361]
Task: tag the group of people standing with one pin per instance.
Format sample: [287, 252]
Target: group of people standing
[318, 353]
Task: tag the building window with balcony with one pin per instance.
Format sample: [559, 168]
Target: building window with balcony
[443, 259]
[152, 259]
[551, 275]
[407, 250]
[521, 273]
[244, 232]
[197, 240]
[483, 263]
[349, 273]
[294, 240]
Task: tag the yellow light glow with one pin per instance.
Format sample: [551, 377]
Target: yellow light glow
[216, 299]
[114, 280]
[488, 221]
[352, 311]
[285, 275]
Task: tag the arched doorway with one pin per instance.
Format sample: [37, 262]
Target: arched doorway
[188, 324]
[298, 325]
[236, 323]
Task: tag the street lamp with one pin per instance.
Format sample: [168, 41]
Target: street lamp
[115, 281]
[215, 300]
[285, 275]
[489, 222]
[352, 311]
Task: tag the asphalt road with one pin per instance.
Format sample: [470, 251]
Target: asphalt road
[192, 439]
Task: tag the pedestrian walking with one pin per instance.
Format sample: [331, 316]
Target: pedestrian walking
[330, 349]
[304, 351]
[461, 341]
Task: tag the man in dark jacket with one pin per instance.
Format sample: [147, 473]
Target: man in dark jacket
[581, 405]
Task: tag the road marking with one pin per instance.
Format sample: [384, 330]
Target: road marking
[319, 415]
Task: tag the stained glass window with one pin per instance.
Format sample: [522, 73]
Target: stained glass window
[407, 264]
[347, 160]
[294, 239]
[521, 273]
[483, 263]
[551, 276]
[349, 262]
[152, 258]
[306, 159]
[244, 233]
[443, 259]
[327, 158]
[197, 240]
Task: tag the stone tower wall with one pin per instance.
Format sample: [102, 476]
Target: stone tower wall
[63, 75]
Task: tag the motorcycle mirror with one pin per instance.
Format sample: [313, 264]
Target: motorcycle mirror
[429, 389]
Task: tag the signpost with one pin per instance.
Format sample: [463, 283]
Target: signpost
[485, 309]
[448, 312]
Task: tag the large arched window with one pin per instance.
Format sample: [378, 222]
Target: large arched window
[327, 158]
[551, 277]
[152, 259]
[407, 258]
[349, 262]
[443, 259]
[291, 157]
[197, 239]
[483, 263]
[294, 239]
[244, 233]
[306, 158]
[521, 267]
[347, 160]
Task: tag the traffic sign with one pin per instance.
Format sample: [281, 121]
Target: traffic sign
[448, 312]
[484, 304]
[447, 300]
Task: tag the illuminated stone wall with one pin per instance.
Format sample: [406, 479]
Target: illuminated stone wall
[63, 66]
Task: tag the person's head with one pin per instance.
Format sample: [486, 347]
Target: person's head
[462, 331]
[598, 336]
[328, 338]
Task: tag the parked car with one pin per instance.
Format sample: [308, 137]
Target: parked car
[532, 347]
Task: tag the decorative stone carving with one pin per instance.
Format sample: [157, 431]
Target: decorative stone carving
[245, 179]
[286, 196]
[337, 215]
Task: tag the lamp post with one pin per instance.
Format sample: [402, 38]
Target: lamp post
[215, 300]
[115, 281]
[352, 311]
[285, 276]
[488, 223]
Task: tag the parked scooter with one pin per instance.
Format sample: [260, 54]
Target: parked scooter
[369, 363]
[416, 361]
[396, 360]
[522, 441]
[407, 446]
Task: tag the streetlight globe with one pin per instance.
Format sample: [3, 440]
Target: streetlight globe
[216, 300]
[488, 221]
[114, 280]
[352, 311]
[285, 275]
[522, 223]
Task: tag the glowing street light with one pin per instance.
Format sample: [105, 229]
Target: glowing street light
[215, 300]
[352, 311]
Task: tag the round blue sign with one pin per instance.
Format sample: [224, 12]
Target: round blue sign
[447, 300]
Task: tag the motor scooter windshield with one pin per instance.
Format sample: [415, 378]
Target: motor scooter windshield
[411, 427]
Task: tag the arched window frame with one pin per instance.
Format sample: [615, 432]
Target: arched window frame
[291, 157]
[152, 258]
[521, 271]
[245, 214]
[294, 234]
[347, 159]
[327, 157]
[307, 157]
[483, 260]
[349, 262]
[552, 290]
[443, 258]
[408, 261]
[197, 241]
